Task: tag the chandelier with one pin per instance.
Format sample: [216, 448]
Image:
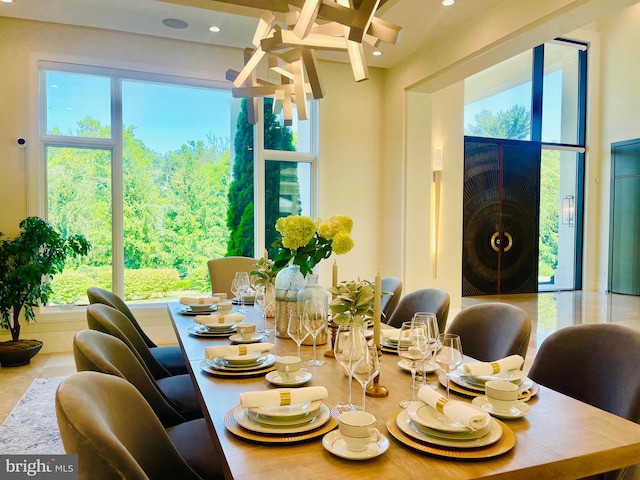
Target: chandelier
[341, 25]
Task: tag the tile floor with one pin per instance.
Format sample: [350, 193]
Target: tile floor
[548, 311]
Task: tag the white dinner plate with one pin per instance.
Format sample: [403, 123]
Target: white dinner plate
[202, 331]
[237, 338]
[429, 417]
[406, 426]
[301, 377]
[404, 365]
[217, 364]
[334, 443]
[282, 421]
[457, 378]
[289, 410]
[188, 311]
[240, 415]
[509, 376]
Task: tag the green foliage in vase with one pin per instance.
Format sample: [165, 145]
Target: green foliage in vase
[264, 272]
[352, 301]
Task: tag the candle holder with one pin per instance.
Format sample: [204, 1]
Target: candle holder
[333, 329]
[375, 389]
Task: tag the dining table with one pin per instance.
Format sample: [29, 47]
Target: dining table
[559, 438]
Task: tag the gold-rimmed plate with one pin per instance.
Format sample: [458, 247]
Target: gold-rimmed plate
[241, 415]
[206, 368]
[232, 426]
[202, 331]
[468, 392]
[503, 445]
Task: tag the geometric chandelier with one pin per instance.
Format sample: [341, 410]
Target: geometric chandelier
[311, 25]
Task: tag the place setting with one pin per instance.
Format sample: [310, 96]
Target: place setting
[288, 372]
[215, 324]
[470, 378]
[282, 415]
[356, 438]
[239, 360]
[450, 428]
[198, 305]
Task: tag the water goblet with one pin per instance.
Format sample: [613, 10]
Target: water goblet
[413, 347]
[433, 331]
[241, 284]
[449, 354]
[265, 298]
[349, 349]
[314, 319]
[367, 369]
[296, 330]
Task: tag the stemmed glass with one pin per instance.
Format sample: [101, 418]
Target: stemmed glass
[349, 349]
[239, 287]
[449, 354]
[314, 319]
[367, 369]
[413, 346]
[265, 298]
[296, 330]
[431, 321]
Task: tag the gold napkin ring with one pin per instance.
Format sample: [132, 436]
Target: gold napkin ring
[496, 367]
[440, 405]
[285, 398]
[242, 349]
[220, 318]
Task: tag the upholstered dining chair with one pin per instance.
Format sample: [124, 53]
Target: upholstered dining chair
[222, 270]
[596, 364]
[432, 300]
[109, 320]
[106, 422]
[173, 399]
[169, 356]
[493, 330]
[389, 302]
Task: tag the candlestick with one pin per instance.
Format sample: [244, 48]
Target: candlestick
[376, 309]
[266, 254]
[334, 277]
[374, 389]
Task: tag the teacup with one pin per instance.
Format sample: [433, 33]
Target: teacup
[357, 430]
[246, 330]
[288, 366]
[504, 395]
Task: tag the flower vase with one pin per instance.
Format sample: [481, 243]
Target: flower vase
[288, 281]
[314, 295]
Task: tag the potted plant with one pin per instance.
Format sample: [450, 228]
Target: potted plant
[38, 251]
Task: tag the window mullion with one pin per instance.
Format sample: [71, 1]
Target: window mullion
[117, 189]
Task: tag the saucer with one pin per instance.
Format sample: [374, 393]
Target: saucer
[334, 443]
[520, 409]
[237, 338]
[300, 378]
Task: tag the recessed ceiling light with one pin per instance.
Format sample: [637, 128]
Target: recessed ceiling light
[448, 3]
[175, 23]
[377, 53]
[214, 29]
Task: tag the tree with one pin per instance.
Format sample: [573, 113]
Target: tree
[514, 124]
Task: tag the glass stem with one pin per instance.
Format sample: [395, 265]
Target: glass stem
[413, 384]
[350, 382]
[364, 396]
[314, 349]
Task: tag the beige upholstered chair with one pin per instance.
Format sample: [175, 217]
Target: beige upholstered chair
[171, 398]
[109, 320]
[170, 356]
[432, 300]
[106, 422]
[493, 330]
[222, 270]
[596, 364]
[390, 301]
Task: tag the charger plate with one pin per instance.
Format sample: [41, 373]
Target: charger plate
[506, 442]
[232, 425]
[205, 367]
[203, 332]
[454, 387]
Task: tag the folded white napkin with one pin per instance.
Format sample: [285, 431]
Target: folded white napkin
[512, 362]
[198, 300]
[390, 334]
[217, 320]
[282, 396]
[456, 410]
[235, 350]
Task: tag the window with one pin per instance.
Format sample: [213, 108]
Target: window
[143, 165]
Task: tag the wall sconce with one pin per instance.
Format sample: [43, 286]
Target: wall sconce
[568, 210]
[437, 173]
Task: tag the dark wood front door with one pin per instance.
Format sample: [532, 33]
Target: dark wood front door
[501, 211]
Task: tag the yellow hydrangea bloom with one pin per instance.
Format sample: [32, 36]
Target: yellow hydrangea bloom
[342, 243]
[333, 225]
[296, 230]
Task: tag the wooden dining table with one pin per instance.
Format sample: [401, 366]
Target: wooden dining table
[560, 437]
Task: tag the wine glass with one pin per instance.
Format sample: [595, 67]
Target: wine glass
[431, 321]
[349, 349]
[367, 369]
[296, 329]
[265, 298]
[314, 319]
[449, 354]
[413, 347]
[241, 284]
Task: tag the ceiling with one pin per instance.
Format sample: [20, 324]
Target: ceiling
[421, 20]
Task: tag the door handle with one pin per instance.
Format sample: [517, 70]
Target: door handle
[496, 241]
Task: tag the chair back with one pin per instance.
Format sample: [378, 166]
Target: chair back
[100, 295]
[109, 320]
[390, 301]
[223, 270]
[106, 422]
[100, 352]
[432, 300]
[493, 330]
